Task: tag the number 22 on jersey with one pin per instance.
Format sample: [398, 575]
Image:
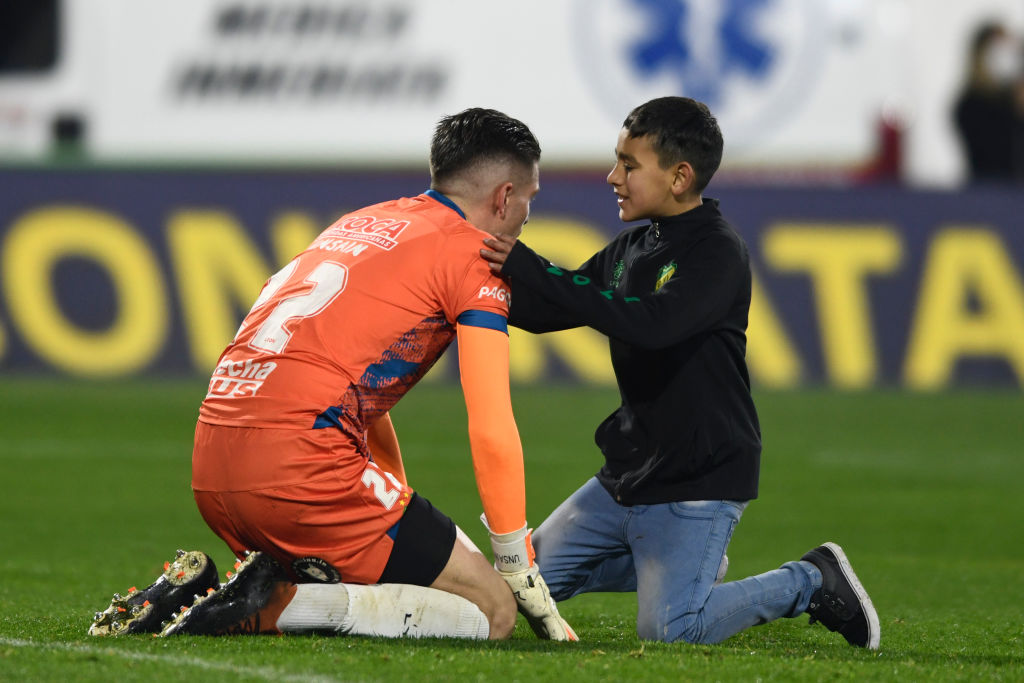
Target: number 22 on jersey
[326, 282]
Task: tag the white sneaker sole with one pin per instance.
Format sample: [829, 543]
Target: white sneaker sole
[874, 630]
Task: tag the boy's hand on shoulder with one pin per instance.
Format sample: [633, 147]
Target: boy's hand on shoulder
[497, 250]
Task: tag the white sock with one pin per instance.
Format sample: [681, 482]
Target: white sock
[390, 610]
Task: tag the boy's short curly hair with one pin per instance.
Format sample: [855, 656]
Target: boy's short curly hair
[680, 129]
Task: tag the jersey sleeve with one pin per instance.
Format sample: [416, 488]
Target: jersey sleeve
[493, 436]
[470, 288]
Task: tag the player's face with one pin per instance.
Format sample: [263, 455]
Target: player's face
[518, 208]
[642, 186]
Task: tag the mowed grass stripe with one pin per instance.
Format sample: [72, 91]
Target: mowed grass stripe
[175, 660]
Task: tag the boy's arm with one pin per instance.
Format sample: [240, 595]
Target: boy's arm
[383, 443]
[697, 297]
[530, 309]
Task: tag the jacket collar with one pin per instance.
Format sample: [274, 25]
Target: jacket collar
[689, 224]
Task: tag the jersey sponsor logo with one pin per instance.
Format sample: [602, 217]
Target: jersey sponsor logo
[235, 379]
[495, 292]
[379, 232]
[664, 275]
[341, 246]
[316, 569]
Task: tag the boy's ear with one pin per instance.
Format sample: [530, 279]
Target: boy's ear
[684, 179]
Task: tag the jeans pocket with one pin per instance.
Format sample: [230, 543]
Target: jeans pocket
[695, 509]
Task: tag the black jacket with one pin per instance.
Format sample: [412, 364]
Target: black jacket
[992, 133]
[673, 298]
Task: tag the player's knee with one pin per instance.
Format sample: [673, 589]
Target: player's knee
[501, 615]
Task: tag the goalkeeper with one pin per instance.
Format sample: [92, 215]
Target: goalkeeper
[682, 452]
[296, 458]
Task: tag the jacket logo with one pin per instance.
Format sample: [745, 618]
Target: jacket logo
[664, 275]
[620, 267]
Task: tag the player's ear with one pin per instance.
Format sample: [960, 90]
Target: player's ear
[500, 198]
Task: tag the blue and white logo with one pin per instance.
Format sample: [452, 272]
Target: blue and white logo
[751, 61]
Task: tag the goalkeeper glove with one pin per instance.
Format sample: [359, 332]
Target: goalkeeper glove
[513, 558]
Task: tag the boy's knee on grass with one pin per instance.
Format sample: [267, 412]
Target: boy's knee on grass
[688, 629]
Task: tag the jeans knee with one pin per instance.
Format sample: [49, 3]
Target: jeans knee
[688, 628]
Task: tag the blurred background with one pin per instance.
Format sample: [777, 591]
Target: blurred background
[158, 161]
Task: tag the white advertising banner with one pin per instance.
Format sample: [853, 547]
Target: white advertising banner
[793, 82]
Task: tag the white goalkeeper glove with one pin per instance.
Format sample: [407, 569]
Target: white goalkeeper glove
[513, 558]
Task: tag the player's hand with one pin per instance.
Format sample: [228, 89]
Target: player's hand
[536, 604]
[513, 558]
[497, 252]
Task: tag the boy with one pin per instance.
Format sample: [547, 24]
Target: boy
[682, 451]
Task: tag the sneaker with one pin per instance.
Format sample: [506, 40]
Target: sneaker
[842, 604]
[141, 611]
[248, 603]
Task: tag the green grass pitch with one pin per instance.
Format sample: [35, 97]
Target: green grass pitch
[923, 491]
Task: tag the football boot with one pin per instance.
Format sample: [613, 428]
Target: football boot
[142, 611]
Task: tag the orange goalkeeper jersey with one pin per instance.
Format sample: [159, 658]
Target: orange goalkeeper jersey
[344, 330]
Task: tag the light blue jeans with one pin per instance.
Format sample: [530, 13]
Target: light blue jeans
[669, 554]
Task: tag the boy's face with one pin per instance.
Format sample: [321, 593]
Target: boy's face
[643, 187]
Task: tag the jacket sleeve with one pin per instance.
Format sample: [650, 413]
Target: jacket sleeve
[695, 300]
[532, 309]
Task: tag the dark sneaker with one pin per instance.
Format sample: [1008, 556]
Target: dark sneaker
[842, 604]
[141, 611]
[248, 603]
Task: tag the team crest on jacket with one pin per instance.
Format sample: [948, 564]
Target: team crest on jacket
[664, 275]
[620, 268]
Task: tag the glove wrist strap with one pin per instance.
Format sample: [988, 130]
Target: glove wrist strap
[513, 552]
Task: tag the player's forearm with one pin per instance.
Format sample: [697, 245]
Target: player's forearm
[500, 476]
[494, 439]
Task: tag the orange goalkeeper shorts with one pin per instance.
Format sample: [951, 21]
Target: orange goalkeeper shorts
[307, 497]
